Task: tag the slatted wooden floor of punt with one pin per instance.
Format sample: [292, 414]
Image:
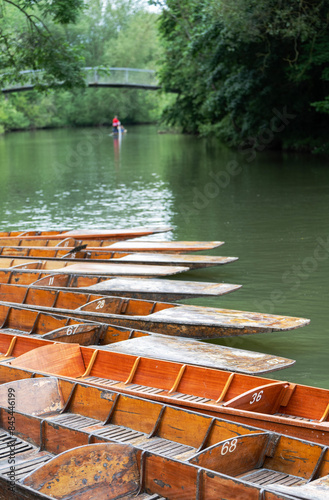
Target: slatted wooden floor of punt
[121, 434]
[147, 390]
[263, 477]
[27, 456]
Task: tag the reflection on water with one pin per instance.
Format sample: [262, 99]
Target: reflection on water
[272, 213]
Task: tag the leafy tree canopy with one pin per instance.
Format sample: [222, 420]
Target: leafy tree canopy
[32, 37]
[233, 63]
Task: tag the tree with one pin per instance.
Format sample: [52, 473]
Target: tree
[32, 37]
[234, 63]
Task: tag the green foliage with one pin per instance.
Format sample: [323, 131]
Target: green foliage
[32, 37]
[233, 63]
[120, 34]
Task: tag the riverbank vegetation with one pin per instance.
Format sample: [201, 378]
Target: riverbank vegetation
[253, 73]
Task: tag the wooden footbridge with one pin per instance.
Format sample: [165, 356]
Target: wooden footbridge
[95, 77]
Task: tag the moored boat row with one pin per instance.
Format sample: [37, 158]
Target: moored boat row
[72, 399]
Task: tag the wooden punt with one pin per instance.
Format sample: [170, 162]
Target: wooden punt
[102, 255]
[16, 322]
[86, 233]
[159, 317]
[91, 267]
[283, 407]
[140, 288]
[110, 244]
[50, 417]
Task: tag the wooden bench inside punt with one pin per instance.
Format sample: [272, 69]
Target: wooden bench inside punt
[302, 411]
[78, 414]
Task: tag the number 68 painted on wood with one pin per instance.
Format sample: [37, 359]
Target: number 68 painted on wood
[229, 447]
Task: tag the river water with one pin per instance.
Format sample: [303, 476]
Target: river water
[270, 208]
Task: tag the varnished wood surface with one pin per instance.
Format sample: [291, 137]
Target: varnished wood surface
[283, 407]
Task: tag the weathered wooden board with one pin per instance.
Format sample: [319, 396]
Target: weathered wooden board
[192, 352]
[162, 246]
[156, 289]
[194, 321]
[191, 261]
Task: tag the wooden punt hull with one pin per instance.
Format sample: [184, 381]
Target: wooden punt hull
[159, 317]
[85, 233]
[102, 255]
[17, 322]
[287, 408]
[139, 288]
[188, 448]
[114, 245]
[167, 290]
[91, 267]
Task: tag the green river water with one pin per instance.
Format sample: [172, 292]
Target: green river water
[270, 208]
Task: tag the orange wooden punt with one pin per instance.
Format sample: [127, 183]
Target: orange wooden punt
[155, 449]
[85, 233]
[103, 255]
[160, 317]
[16, 322]
[90, 267]
[139, 288]
[283, 407]
[112, 244]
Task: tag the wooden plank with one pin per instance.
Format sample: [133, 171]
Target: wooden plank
[162, 246]
[158, 289]
[202, 354]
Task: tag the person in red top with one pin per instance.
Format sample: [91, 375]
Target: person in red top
[115, 125]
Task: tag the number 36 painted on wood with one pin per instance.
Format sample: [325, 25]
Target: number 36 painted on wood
[257, 396]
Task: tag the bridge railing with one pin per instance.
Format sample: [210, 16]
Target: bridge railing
[121, 76]
[94, 76]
